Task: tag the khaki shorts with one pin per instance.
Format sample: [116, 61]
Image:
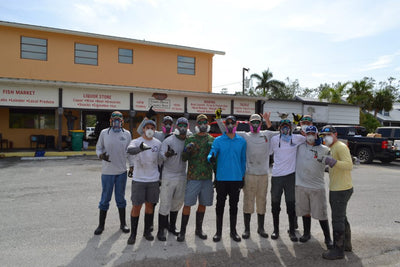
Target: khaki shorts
[255, 192]
[311, 201]
[172, 193]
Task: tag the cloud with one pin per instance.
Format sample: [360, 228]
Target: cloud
[382, 62]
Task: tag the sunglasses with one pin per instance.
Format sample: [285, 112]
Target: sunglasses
[285, 121]
[230, 123]
[306, 119]
[116, 115]
[255, 122]
[181, 125]
[202, 122]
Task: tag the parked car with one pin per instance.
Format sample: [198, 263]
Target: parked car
[365, 148]
[391, 133]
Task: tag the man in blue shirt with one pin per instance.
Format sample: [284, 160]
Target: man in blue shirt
[229, 153]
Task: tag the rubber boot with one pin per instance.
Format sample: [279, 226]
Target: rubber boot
[184, 222]
[292, 232]
[122, 220]
[325, 228]
[134, 225]
[234, 235]
[199, 225]
[148, 221]
[102, 221]
[337, 252]
[162, 225]
[347, 237]
[275, 218]
[260, 230]
[218, 234]
[172, 223]
[307, 229]
[151, 227]
[246, 233]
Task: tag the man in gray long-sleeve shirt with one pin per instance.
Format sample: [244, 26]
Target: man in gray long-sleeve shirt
[111, 149]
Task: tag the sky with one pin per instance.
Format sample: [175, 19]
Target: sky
[313, 41]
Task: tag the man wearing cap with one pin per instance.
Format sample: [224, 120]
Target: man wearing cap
[340, 190]
[310, 185]
[305, 121]
[199, 176]
[228, 152]
[166, 126]
[257, 169]
[111, 149]
[144, 155]
[172, 191]
[284, 148]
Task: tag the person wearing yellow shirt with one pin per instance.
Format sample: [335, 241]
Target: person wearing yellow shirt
[340, 190]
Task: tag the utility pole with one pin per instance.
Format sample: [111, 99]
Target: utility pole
[243, 70]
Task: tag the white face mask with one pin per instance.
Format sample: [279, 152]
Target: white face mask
[310, 139]
[149, 133]
[328, 140]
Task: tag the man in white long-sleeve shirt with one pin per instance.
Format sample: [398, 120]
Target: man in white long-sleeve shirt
[173, 184]
[111, 149]
[145, 182]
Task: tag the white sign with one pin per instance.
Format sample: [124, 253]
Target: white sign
[28, 96]
[241, 107]
[95, 99]
[208, 105]
[160, 102]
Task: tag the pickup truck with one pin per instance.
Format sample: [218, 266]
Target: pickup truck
[365, 148]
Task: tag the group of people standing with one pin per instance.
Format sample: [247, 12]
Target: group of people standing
[184, 164]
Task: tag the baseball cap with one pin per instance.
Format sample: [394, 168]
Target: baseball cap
[232, 118]
[182, 120]
[255, 117]
[311, 129]
[167, 118]
[149, 122]
[201, 117]
[328, 129]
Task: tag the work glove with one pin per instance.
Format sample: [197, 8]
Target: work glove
[318, 141]
[213, 159]
[144, 147]
[130, 172]
[150, 113]
[190, 147]
[170, 152]
[104, 156]
[329, 161]
[218, 113]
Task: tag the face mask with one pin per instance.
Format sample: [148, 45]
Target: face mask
[285, 130]
[149, 133]
[310, 139]
[286, 137]
[231, 128]
[255, 128]
[304, 127]
[166, 128]
[182, 130]
[116, 125]
[203, 128]
[328, 140]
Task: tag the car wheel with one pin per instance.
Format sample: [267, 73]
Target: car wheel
[364, 154]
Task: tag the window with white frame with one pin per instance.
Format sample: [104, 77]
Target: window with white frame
[86, 54]
[186, 65]
[125, 56]
[33, 48]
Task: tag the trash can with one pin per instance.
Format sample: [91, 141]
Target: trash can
[77, 139]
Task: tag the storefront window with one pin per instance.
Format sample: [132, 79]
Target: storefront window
[32, 119]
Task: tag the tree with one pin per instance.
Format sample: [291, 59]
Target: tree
[333, 93]
[383, 100]
[360, 93]
[266, 83]
[369, 122]
[288, 91]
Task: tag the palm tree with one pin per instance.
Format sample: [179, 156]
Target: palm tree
[383, 100]
[266, 83]
[332, 93]
[360, 93]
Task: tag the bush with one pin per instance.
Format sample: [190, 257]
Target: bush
[369, 122]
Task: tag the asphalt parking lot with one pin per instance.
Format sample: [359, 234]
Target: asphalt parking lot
[49, 212]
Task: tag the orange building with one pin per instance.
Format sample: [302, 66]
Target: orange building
[48, 75]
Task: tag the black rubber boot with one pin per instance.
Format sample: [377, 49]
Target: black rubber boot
[260, 230]
[172, 223]
[134, 225]
[307, 229]
[218, 234]
[246, 233]
[162, 225]
[151, 227]
[234, 235]
[291, 231]
[182, 233]
[102, 221]
[148, 221]
[122, 220]
[199, 225]
[275, 218]
[337, 252]
[325, 228]
[347, 237]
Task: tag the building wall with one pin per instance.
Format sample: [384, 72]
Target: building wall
[153, 67]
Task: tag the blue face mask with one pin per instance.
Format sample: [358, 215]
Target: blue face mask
[116, 125]
[286, 137]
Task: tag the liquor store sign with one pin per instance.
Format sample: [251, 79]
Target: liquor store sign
[28, 96]
[95, 99]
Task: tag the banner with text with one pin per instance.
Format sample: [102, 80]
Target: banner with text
[241, 107]
[160, 102]
[95, 99]
[28, 96]
[198, 105]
